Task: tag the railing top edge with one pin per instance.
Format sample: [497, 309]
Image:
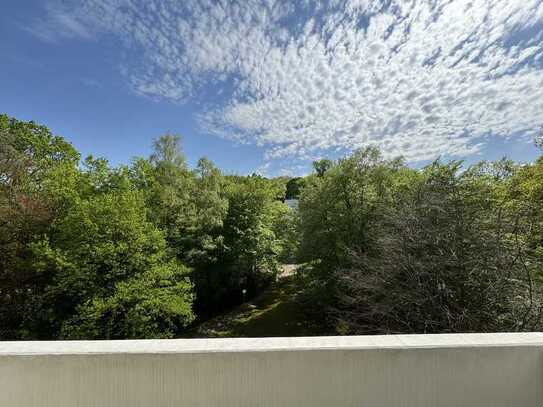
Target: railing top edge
[271, 344]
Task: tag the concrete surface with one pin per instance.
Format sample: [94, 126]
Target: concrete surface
[480, 370]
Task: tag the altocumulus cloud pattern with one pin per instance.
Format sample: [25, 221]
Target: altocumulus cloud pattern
[419, 78]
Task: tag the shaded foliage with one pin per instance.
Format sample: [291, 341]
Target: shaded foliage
[437, 250]
[250, 245]
[294, 188]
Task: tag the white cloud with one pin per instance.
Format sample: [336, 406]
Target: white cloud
[420, 78]
[59, 22]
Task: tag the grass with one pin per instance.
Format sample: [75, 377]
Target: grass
[275, 312]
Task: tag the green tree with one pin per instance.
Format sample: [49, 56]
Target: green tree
[154, 304]
[322, 165]
[526, 194]
[285, 227]
[78, 255]
[403, 251]
[204, 236]
[97, 253]
[169, 197]
[338, 208]
[251, 248]
[37, 181]
[294, 187]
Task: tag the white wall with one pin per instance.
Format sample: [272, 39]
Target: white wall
[409, 371]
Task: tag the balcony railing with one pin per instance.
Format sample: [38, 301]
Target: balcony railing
[473, 370]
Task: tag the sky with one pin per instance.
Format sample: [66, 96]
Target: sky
[269, 86]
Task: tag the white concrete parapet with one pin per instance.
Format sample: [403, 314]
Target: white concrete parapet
[471, 370]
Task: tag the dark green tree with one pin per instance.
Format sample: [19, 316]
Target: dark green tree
[322, 165]
[294, 187]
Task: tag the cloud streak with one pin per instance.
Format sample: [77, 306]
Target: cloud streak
[59, 22]
[418, 78]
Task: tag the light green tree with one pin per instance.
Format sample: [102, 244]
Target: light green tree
[102, 248]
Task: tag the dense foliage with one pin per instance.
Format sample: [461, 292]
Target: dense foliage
[437, 250]
[90, 251]
[143, 250]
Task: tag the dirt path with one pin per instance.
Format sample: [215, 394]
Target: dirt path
[275, 312]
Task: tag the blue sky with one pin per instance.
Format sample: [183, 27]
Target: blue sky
[271, 85]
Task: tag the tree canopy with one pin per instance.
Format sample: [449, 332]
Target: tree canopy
[91, 251]
[442, 249]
